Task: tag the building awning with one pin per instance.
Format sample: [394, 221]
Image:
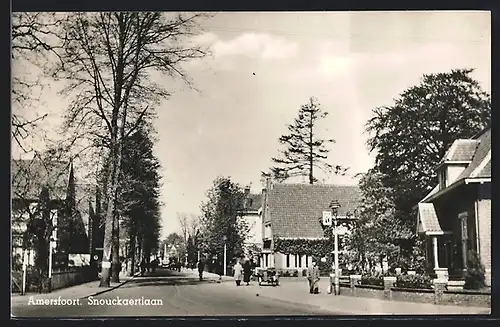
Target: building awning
[428, 222]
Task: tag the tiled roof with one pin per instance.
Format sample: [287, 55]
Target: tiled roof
[254, 202]
[461, 150]
[481, 159]
[295, 209]
[28, 177]
[428, 220]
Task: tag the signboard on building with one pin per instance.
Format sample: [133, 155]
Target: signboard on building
[327, 218]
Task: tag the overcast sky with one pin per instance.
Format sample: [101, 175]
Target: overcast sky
[266, 65]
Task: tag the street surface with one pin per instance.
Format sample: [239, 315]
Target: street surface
[167, 293]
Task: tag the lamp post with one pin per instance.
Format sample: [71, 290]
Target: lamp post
[51, 247]
[225, 255]
[335, 205]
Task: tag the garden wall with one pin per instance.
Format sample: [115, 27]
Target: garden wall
[437, 294]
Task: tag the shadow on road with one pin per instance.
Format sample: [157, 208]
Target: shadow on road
[166, 277]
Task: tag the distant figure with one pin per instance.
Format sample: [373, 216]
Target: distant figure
[313, 278]
[238, 271]
[154, 264]
[143, 267]
[247, 271]
[220, 269]
[178, 266]
[201, 267]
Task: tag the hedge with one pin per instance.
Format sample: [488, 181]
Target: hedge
[414, 281]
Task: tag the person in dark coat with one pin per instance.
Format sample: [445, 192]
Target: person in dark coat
[143, 267]
[313, 278]
[201, 267]
[247, 272]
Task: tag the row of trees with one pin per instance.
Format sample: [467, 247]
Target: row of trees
[107, 62]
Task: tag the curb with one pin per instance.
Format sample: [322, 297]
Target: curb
[110, 288]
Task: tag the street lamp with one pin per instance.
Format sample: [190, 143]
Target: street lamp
[52, 245]
[225, 255]
[335, 205]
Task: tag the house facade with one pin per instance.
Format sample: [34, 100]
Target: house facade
[251, 216]
[455, 217]
[29, 177]
[294, 212]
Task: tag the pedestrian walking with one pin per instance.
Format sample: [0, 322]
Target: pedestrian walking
[143, 267]
[313, 278]
[238, 271]
[247, 271]
[201, 267]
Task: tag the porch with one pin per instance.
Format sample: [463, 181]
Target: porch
[446, 250]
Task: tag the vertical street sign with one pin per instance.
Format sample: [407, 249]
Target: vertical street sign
[327, 218]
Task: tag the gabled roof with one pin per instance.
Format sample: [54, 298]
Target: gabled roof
[460, 151]
[428, 221]
[29, 176]
[296, 209]
[480, 167]
[254, 202]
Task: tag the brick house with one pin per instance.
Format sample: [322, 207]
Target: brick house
[28, 179]
[455, 217]
[294, 211]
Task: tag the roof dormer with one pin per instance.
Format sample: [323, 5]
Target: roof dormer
[454, 162]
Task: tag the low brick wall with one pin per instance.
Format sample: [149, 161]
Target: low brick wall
[374, 292]
[436, 295]
[412, 295]
[466, 298]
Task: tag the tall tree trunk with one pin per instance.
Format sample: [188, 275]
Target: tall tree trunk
[108, 225]
[132, 255]
[116, 265]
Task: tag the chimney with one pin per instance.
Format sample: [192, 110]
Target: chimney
[246, 201]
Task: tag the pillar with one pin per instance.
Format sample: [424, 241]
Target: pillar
[435, 251]
[354, 280]
[439, 288]
[388, 285]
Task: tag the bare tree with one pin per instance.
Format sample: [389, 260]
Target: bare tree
[109, 60]
[183, 219]
[35, 38]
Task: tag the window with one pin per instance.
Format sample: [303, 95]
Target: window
[288, 261]
[267, 231]
[307, 261]
[442, 178]
[299, 261]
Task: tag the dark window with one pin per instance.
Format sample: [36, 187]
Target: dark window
[299, 262]
[287, 260]
[307, 261]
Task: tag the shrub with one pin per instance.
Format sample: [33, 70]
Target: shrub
[376, 279]
[286, 273]
[295, 273]
[414, 281]
[475, 275]
[304, 273]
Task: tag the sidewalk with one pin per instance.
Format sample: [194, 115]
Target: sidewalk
[74, 292]
[297, 292]
[207, 275]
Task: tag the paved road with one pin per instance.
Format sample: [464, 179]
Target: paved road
[177, 294]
